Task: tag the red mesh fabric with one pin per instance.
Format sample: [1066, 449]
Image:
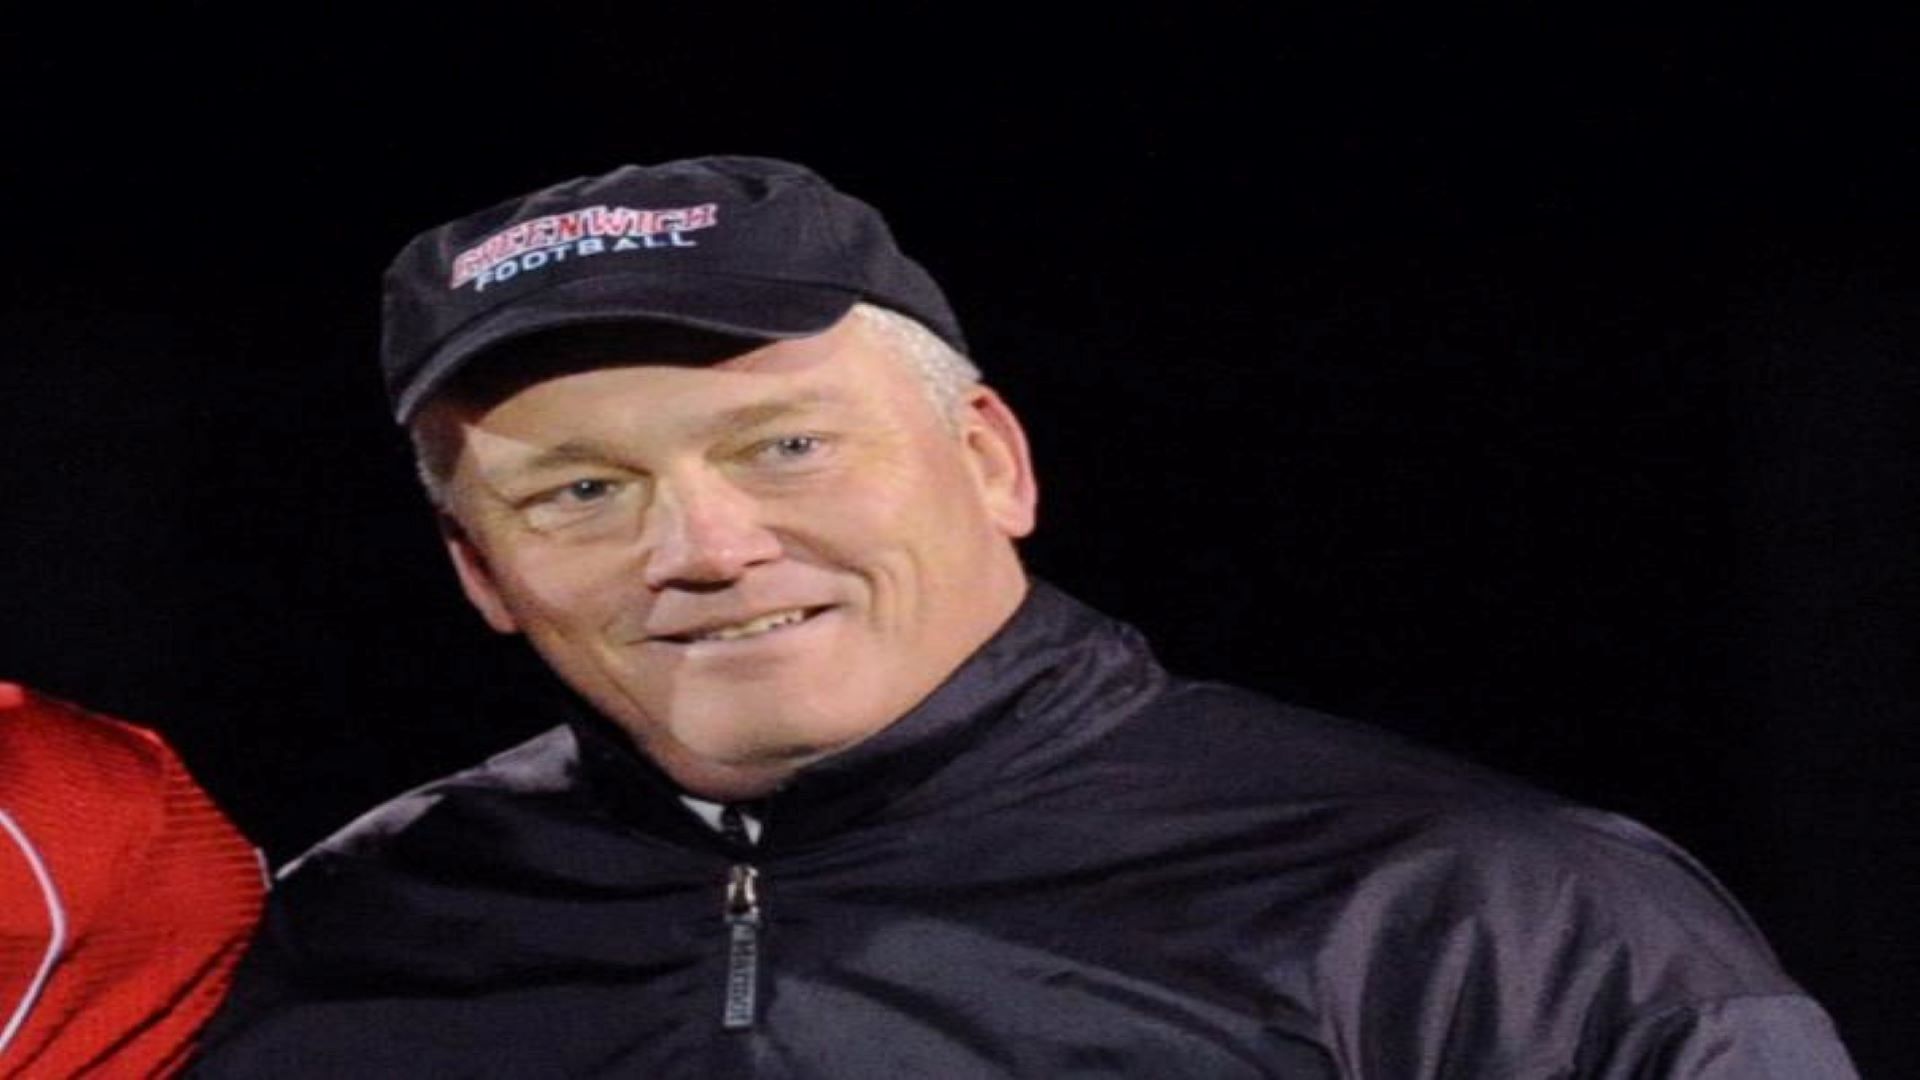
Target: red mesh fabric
[104, 836]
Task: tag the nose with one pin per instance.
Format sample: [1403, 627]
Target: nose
[704, 532]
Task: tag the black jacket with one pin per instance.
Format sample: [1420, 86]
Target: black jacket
[1063, 863]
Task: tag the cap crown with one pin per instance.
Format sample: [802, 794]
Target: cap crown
[742, 245]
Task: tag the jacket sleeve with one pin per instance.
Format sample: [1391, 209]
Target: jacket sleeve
[1564, 943]
[1785, 1037]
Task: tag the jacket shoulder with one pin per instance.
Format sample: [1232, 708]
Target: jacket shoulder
[1461, 889]
[544, 766]
[1243, 737]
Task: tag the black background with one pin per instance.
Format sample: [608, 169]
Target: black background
[1541, 386]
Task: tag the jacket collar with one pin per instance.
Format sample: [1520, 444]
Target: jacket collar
[1029, 684]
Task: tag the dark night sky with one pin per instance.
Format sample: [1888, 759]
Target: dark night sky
[1544, 389]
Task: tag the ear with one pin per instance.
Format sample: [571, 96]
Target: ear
[476, 577]
[997, 451]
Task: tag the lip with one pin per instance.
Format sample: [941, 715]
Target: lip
[688, 637]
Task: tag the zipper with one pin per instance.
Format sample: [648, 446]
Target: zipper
[743, 948]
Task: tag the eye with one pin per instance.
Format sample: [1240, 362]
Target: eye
[791, 447]
[570, 501]
[573, 496]
[584, 491]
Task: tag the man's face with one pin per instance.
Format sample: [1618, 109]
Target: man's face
[749, 564]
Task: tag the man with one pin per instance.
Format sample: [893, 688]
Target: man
[125, 896]
[840, 792]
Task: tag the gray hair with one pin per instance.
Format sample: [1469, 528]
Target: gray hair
[944, 373]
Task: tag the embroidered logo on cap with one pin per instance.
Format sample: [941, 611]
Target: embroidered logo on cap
[594, 230]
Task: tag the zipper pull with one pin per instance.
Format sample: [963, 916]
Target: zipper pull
[743, 948]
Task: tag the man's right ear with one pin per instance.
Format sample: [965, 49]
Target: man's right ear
[476, 577]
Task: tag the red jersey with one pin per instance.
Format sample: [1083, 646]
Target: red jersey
[125, 896]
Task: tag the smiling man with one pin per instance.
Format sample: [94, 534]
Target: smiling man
[747, 564]
[834, 789]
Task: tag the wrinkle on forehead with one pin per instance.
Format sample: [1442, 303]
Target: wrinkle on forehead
[526, 423]
[508, 452]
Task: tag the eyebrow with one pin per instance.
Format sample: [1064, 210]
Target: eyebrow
[761, 412]
[740, 417]
[570, 452]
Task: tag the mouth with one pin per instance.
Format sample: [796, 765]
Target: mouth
[758, 626]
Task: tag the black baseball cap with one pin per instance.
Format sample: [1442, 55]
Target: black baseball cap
[743, 246]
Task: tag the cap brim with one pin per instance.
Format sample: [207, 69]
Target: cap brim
[742, 307]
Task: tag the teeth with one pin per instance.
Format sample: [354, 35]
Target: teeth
[751, 627]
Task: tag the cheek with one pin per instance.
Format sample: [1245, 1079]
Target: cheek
[875, 527]
[917, 541]
[914, 494]
[568, 590]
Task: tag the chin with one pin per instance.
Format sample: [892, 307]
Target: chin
[762, 738]
[761, 750]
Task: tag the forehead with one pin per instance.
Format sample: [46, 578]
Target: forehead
[644, 381]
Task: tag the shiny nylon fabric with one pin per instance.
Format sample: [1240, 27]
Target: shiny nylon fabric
[1063, 863]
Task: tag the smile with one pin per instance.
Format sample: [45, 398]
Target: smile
[750, 628]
